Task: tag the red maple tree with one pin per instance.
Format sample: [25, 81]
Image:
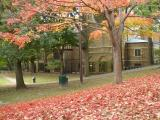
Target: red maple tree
[110, 9]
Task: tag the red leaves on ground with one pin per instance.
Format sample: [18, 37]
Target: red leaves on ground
[137, 99]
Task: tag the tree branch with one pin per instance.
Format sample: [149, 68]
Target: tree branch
[89, 6]
[127, 14]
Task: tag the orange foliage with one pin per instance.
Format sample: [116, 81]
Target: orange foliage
[156, 36]
[51, 27]
[27, 11]
[101, 5]
[59, 6]
[18, 40]
[132, 21]
[138, 21]
[17, 31]
[95, 35]
[11, 21]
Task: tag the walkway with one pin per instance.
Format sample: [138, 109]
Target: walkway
[12, 80]
[124, 71]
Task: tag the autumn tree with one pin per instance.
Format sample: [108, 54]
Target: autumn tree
[111, 11]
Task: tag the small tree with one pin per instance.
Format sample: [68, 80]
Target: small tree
[54, 64]
[17, 56]
[12, 52]
[61, 40]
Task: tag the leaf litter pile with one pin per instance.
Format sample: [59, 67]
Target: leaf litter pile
[135, 99]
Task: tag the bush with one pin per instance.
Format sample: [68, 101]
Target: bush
[54, 64]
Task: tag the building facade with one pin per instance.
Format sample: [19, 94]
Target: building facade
[138, 53]
[135, 53]
[100, 56]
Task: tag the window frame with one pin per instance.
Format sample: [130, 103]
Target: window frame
[103, 67]
[136, 54]
[92, 67]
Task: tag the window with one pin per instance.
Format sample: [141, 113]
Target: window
[92, 67]
[103, 67]
[137, 52]
[137, 65]
[56, 56]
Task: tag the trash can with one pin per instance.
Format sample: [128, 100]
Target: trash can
[63, 80]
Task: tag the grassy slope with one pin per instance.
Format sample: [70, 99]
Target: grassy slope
[11, 95]
[3, 81]
[40, 77]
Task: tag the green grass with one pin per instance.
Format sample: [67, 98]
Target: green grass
[11, 95]
[46, 78]
[41, 77]
[3, 81]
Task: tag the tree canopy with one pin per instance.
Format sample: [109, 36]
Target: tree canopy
[55, 15]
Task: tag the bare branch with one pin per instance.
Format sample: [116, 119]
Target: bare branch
[130, 29]
[87, 5]
[127, 14]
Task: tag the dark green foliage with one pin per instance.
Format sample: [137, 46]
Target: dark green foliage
[148, 9]
[55, 40]
[54, 64]
[65, 37]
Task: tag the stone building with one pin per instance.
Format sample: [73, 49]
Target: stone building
[100, 56]
[138, 53]
[71, 60]
[135, 53]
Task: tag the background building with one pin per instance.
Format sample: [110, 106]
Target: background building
[138, 53]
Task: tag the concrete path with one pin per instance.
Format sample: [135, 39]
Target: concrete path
[124, 71]
[101, 76]
[12, 80]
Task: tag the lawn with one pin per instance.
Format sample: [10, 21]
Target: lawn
[3, 81]
[46, 77]
[135, 99]
[40, 77]
[11, 95]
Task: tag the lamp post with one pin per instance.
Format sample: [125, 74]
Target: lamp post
[75, 14]
[80, 58]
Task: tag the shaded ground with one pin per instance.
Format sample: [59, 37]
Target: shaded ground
[41, 78]
[11, 95]
[135, 99]
[10, 80]
[3, 80]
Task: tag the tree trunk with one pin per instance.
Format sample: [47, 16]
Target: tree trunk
[86, 62]
[19, 76]
[85, 37]
[62, 63]
[117, 57]
[150, 45]
[117, 63]
[27, 66]
[33, 69]
[115, 33]
[9, 65]
[45, 60]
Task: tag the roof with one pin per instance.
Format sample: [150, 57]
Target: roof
[136, 40]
